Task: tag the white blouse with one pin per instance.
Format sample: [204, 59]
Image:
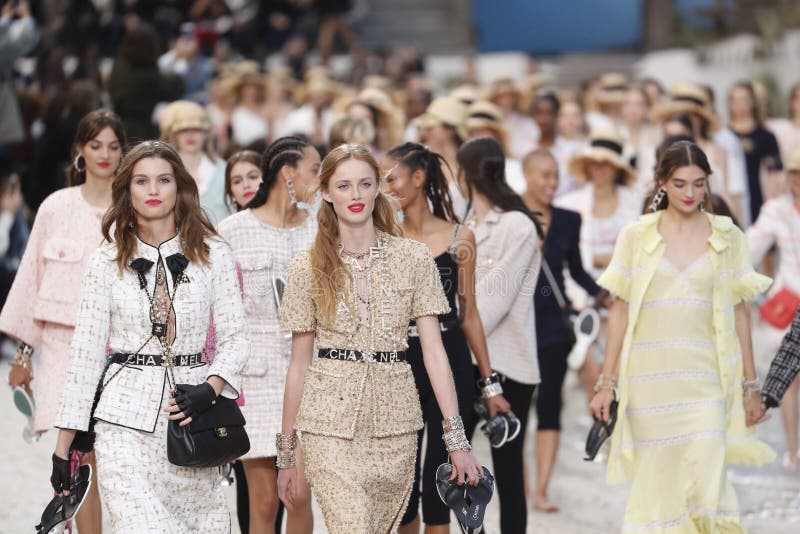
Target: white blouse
[114, 317]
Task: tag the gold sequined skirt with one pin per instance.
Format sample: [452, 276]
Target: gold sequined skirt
[362, 484]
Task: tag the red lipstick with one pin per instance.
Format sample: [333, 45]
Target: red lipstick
[249, 194]
[687, 202]
[356, 207]
[104, 164]
[153, 202]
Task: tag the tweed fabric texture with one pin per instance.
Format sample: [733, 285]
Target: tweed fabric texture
[114, 313]
[143, 492]
[41, 305]
[786, 365]
[263, 252]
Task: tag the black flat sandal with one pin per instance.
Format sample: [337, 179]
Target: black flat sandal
[467, 502]
[600, 432]
[62, 509]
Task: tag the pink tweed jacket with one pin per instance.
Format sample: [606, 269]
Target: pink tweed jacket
[48, 283]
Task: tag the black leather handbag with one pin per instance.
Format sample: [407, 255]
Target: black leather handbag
[214, 437]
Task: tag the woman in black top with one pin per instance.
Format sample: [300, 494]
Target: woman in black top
[560, 247]
[415, 176]
[759, 144]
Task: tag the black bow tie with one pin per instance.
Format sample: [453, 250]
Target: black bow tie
[141, 265]
[177, 264]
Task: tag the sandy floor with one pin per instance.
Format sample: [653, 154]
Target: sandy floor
[770, 498]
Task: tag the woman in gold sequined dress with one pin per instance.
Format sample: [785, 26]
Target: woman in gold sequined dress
[355, 404]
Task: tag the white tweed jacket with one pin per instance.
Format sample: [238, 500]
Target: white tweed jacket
[506, 270]
[114, 316]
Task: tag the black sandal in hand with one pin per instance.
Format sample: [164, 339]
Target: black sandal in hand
[467, 502]
[600, 432]
[62, 509]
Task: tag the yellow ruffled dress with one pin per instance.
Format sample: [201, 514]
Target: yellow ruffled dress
[681, 417]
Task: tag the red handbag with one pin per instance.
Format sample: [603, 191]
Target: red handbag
[779, 309]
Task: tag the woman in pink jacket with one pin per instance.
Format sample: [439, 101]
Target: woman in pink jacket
[41, 306]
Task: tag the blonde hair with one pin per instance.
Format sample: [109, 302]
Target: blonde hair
[328, 273]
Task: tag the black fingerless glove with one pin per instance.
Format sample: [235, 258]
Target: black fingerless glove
[60, 476]
[768, 401]
[193, 400]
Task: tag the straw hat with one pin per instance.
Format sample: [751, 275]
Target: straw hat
[613, 86]
[390, 122]
[530, 86]
[182, 115]
[466, 93]
[605, 146]
[686, 98]
[793, 161]
[502, 86]
[484, 114]
[247, 78]
[444, 110]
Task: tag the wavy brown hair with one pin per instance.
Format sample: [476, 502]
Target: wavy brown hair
[328, 273]
[90, 127]
[190, 219]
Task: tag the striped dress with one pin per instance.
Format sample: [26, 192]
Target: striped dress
[676, 409]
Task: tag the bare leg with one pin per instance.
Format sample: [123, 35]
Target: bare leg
[790, 415]
[546, 451]
[411, 528]
[437, 529]
[301, 519]
[263, 491]
[90, 517]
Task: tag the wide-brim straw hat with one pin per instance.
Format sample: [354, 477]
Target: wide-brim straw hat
[688, 98]
[466, 93]
[444, 110]
[613, 86]
[247, 78]
[182, 115]
[502, 86]
[484, 114]
[793, 161]
[605, 146]
[530, 86]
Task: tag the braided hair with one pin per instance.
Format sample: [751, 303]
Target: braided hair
[282, 151]
[414, 157]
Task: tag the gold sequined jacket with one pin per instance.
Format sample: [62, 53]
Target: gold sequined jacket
[403, 284]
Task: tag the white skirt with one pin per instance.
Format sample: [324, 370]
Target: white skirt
[145, 493]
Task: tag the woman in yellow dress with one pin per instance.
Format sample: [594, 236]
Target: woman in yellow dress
[679, 343]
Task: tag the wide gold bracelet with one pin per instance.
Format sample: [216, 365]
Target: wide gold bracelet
[452, 423]
[456, 440]
[23, 358]
[284, 442]
[285, 459]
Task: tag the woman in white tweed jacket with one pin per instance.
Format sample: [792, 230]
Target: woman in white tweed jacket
[507, 267]
[147, 299]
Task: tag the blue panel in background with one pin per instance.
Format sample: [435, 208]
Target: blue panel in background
[555, 26]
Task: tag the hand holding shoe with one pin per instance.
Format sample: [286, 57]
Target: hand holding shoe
[60, 475]
[465, 467]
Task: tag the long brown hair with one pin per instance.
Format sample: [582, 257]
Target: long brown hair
[484, 164]
[191, 221]
[674, 155]
[327, 267]
[90, 127]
